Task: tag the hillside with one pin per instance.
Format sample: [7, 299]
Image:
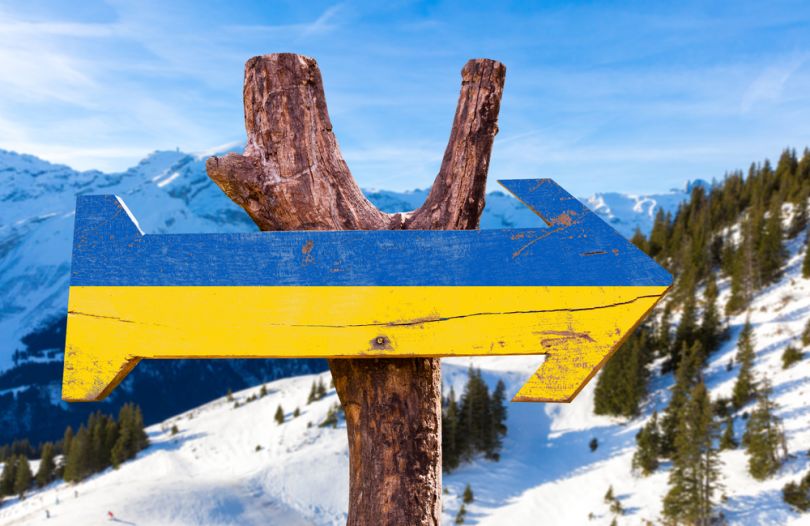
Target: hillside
[211, 473]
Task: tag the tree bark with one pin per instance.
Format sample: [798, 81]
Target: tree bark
[292, 176]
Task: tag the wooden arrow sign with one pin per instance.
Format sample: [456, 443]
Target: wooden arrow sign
[572, 291]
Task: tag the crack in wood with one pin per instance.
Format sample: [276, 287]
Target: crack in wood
[115, 318]
[406, 323]
[424, 321]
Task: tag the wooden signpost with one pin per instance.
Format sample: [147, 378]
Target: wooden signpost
[571, 291]
[382, 296]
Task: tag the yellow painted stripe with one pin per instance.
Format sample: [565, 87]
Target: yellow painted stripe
[110, 328]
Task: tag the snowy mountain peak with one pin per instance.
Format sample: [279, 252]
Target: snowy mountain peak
[628, 212]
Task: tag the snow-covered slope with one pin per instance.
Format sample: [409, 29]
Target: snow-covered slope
[212, 474]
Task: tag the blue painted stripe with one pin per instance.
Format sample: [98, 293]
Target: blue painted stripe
[110, 250]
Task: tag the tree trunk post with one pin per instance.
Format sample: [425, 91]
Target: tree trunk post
[292, 176]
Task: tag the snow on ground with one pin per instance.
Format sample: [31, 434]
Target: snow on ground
[211, 473]
[548, 473]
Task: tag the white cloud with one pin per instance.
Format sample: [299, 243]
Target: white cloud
[770, 84]
[321, 25]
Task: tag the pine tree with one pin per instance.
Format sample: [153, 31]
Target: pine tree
[663, 338]
[321, 389]
[468, 495]
[806, 261]
[645, 459]
[764, 437]
[695, 467]
[687, 331]
[790, 356]
[78, 463]
[263, 391]
[711, 330]
[110, 437]
[686, 377]
[131, 435]
[313, 393]
[658, 234]
[745, 387]
[451, 440]
[740, 295]
[497, 413]
[798, 494]
[798, 222]
[22, 481]
[727, 258]
[474, 424]
[475, 416]
[9, 476]
[622, 384]
[462, 513]
[279, 416]
[771, 252]
[608, 498]
[639, 240]
[124, 445]
[745, 270]
[331, 419]
[102, 433]
[727, 439]
[47, 467]
[67, 438]
[297, 412]
[141, 438]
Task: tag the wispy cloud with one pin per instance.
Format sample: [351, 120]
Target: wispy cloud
[323, 24]
[661, 94]
[770, 84]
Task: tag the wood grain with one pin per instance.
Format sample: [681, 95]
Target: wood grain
[572, 291]
[292, 176]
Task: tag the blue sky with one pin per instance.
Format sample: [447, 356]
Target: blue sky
[626, 96]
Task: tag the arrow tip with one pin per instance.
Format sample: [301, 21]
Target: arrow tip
[548, 200]
[105, 214]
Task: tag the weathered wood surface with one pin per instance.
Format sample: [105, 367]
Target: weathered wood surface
[293, 177]
[578, 249]
[572, 291]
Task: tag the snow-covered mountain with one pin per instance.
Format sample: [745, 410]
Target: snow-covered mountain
[628, 212]
[169, 192]
[230, 466]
